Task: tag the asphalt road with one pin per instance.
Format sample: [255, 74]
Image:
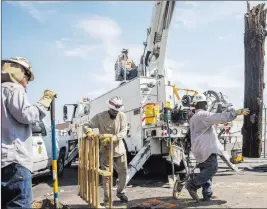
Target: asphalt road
[246, 189]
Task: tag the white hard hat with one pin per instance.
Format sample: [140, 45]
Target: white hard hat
[199, 98]
[115, 103]
[24, 63]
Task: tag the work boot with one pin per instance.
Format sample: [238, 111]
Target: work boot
[192, 191]
[105, 202]
[208, 198]
[122, 197]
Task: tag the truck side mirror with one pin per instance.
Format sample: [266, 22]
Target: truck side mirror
[65, 113]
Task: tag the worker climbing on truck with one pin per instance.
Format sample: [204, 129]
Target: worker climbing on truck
[125, 65]
[112, 121]
[17, 118]
[205, 145]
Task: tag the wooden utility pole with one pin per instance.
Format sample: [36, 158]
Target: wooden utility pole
[254, 43]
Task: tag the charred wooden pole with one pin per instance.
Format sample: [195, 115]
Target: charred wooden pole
[254, 43]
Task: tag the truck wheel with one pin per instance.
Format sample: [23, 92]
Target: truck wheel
[60, 163]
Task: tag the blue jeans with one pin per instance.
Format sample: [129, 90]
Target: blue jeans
[16, 186]
[131, 74]
[204, 179]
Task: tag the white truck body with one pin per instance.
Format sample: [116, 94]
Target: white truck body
[42, 147]
[134, 96]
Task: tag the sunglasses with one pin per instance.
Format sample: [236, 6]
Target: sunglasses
[27, 74]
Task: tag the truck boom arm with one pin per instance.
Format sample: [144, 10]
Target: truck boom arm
[154, 54]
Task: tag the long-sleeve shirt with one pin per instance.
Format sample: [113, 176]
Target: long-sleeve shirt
[204, 138]
[17, 116]
[106, 125]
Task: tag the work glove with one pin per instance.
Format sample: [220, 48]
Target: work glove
[244, 111]
[47, 98]
[88, 131]
[106, 138]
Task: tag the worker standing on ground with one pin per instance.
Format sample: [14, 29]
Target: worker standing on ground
[127, 66]
[205, 144]
[112, 121]
[17, 116]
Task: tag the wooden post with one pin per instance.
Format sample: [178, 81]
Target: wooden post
[254, 43]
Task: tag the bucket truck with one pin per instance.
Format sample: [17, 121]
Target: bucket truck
[157, 115]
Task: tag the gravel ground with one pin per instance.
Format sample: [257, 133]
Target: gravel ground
[246, 189]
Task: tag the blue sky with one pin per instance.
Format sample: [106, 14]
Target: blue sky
[73, 45]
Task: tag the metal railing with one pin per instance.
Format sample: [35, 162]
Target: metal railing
[89, 171]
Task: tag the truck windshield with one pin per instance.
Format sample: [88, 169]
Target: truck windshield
[82, 110]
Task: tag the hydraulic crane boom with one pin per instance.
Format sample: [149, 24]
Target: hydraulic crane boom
[157, 35]
[155, 49]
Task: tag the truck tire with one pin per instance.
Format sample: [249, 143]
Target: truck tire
[60, 163]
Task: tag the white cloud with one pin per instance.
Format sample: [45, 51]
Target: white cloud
[213, 81]
[82, 51]
[224, 78]
[35, 13]
[34, 8]
[71, 48]
[101, 27]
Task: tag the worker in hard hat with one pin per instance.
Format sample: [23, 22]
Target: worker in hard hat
[112, 121]
[127, 66]
[17, 116]
[205, 144]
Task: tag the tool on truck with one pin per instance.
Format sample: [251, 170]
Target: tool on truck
[150, 134]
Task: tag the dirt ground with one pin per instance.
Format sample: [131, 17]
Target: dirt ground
[245, 188]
